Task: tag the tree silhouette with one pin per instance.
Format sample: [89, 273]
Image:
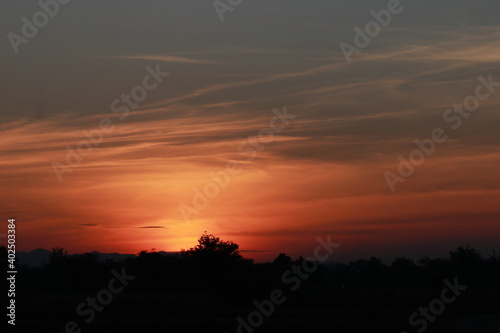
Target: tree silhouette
[214, 249]
[467, 262]
[282, 260]
[58, 255]
[218, 262]
[465, 256]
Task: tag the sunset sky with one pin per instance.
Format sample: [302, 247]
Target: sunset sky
[322, 174]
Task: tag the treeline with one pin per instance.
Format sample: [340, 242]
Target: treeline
[216, 266]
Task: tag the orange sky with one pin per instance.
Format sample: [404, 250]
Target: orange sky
[322, 174]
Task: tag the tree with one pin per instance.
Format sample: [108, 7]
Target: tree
[467, 264]
[403, 263]
[282, 260]
[218, 262]
[58, 255]
[465, 256]
[213, 248]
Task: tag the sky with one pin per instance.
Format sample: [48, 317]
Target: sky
[321, 170]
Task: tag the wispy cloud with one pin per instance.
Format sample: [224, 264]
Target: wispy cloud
[166, 58]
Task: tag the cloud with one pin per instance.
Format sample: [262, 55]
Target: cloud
[164, 58]
[257, 251]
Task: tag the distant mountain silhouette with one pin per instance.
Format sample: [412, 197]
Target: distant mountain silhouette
[41, 257]
[34, 258]
[112, 256]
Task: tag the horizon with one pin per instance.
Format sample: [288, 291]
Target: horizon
[270, 257]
